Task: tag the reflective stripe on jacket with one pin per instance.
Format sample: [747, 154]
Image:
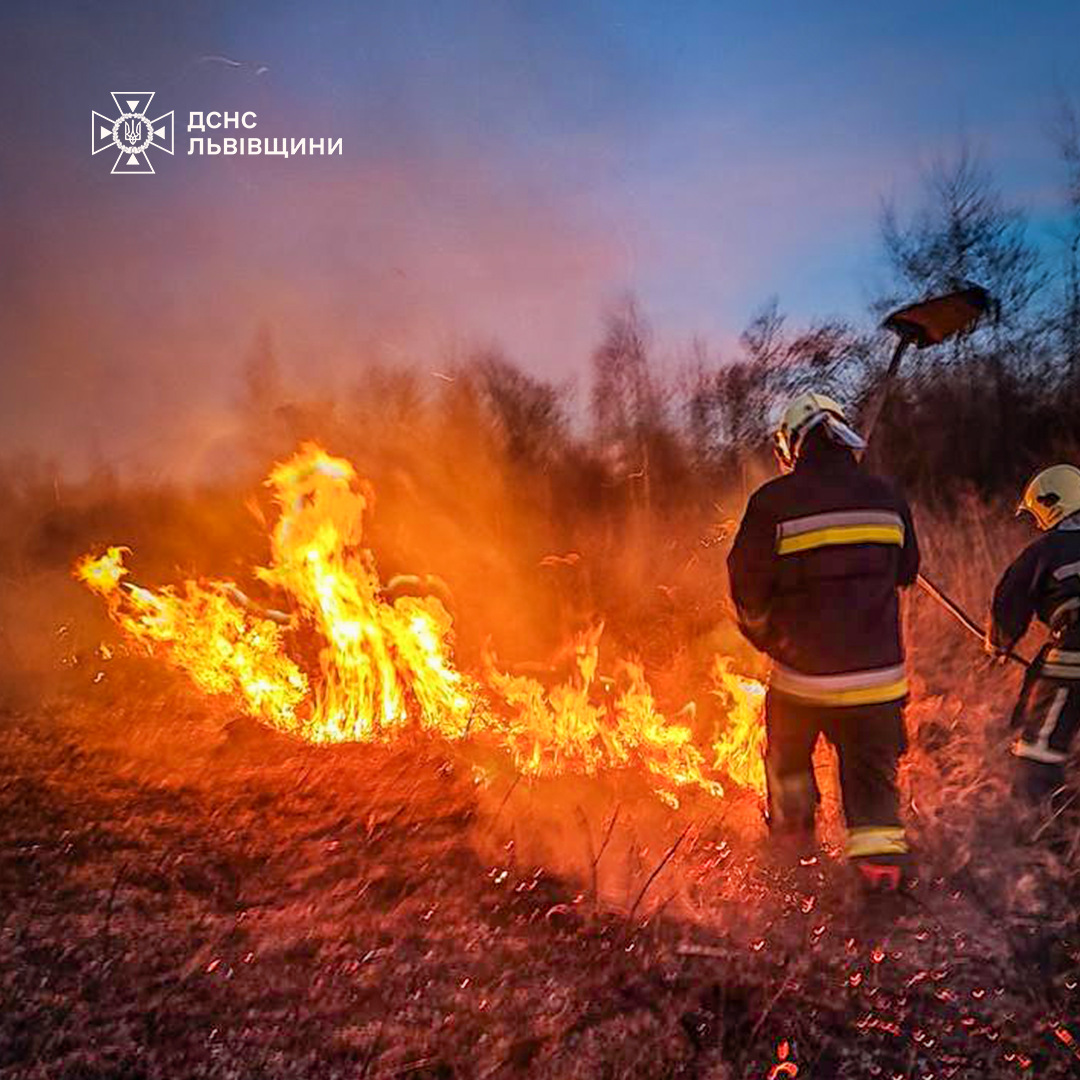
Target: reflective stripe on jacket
[814, 572]
[1061, 664]
[874, 687]
[841, 527]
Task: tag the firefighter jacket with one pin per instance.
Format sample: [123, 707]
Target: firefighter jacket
[814, 574]
[1043, 583]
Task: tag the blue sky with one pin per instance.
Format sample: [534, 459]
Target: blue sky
[508, 169]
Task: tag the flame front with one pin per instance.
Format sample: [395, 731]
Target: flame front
[382, 663]
[386, 666]
[208, 632]
[585, 724]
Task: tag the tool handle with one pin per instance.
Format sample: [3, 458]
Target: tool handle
[962, 617]
[877, 404]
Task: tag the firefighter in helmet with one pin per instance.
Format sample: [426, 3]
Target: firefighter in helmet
[1044, 583]
[815, 571]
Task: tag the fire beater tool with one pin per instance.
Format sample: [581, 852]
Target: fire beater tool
[963, 618]
[926, 323]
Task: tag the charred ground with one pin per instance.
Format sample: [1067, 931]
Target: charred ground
[186, 894]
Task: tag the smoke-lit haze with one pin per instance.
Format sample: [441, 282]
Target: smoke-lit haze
[507, 169]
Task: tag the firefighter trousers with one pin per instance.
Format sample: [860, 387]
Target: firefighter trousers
[1048, 715]
[869, 741]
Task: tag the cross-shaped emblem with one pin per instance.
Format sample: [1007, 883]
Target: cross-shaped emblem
[132, 133]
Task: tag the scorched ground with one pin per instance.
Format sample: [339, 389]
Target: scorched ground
[190, 890]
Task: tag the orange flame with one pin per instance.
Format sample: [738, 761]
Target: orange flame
[206, 632]
[585, 724]
[739, 746]
[384, 666]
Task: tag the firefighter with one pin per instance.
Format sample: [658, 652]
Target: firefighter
[1044, 583]
[815, 571]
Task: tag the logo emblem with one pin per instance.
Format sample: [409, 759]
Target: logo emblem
[132, 133]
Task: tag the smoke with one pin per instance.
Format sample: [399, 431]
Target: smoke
[127, 304]
[125, 328]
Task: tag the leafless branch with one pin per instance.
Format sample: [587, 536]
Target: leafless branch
[653, 876]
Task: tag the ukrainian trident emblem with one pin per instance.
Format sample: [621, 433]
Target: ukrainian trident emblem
[133, 133]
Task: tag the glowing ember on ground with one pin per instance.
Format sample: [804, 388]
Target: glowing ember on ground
[384, 666]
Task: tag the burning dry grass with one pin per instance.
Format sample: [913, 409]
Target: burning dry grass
[187, 893]
[192, 895]
[385, 665]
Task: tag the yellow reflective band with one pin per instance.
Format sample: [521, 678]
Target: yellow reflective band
[841, 534]
[871, 687]
[864, 695]
[876, 840]
[870, 695]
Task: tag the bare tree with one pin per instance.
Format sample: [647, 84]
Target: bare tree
[529, 413]
[964, 232]
[627, 403]
[625, 398]
[830, 356]
[763, 339]
[1066, 134]
[728, 404]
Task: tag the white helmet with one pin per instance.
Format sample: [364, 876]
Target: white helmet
[1052, 495]
[805, 413]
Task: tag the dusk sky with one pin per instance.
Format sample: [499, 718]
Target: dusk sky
[507, 170]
